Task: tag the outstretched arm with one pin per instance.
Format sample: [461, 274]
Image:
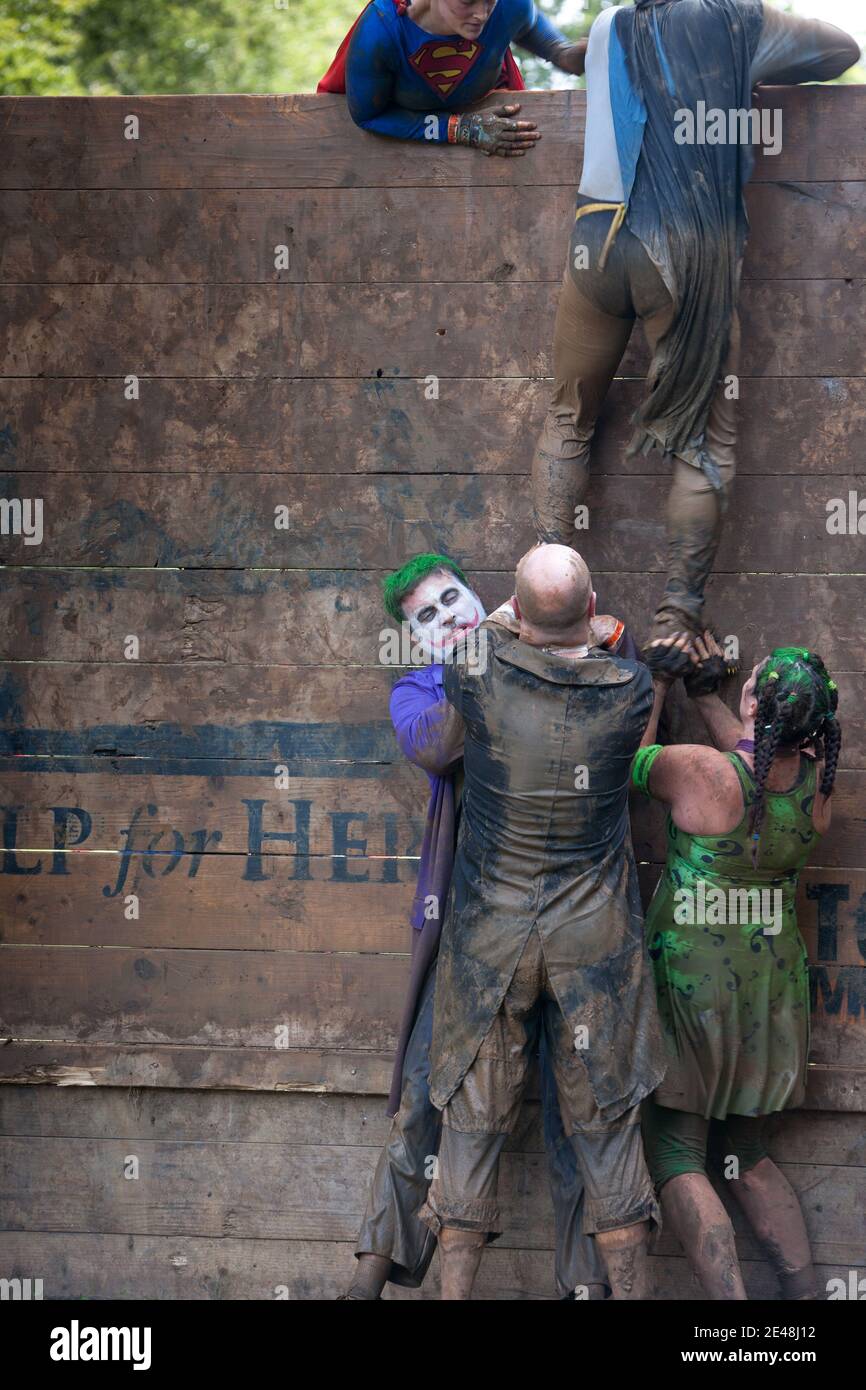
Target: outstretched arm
[660, 692]
[793, 49]
[723, 726]
[544, 40]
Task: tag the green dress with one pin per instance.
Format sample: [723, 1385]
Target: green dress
[734, 998]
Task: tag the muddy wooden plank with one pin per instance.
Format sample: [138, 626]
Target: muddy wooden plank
[178, 811]
[217, 908]
[301, 619]
[284, 1192]
[232, 998]
[348, 904]
[798, 1136]
[310, 141]
[213, 236]
[385, 425]
[309, 1071]
[314, 1070]
[87, 1265]
[249, 712]
[253, 998]
[394, 330]
[207, 709]
[273, 521]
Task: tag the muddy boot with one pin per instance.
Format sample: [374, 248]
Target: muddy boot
[459, 1257]
[624, 1252]
[370, 1279]
[699, 1221]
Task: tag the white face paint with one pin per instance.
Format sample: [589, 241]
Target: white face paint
[439, 610]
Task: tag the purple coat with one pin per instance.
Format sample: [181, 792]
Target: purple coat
[415, 700]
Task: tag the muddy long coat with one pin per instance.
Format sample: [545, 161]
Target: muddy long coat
[545, 841]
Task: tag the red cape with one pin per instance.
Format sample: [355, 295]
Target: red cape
[334, 79]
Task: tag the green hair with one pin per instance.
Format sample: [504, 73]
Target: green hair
[797, 703]
[398, 585]
[805, 694]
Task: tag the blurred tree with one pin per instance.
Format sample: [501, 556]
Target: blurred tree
[69, 47]
[38, 43]
[537, 73]
[186, 45]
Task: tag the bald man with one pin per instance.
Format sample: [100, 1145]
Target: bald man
[544, 924]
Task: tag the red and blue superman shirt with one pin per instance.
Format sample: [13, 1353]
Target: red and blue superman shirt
[402, 81]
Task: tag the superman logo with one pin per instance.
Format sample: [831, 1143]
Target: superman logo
[445, 64]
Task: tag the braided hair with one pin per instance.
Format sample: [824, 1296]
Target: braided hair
[797, 704]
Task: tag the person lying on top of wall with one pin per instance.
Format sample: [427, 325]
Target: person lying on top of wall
[410, 72]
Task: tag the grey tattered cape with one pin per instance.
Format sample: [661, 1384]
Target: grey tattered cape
[534, 848]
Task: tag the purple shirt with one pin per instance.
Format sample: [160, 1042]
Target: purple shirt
[413, 700]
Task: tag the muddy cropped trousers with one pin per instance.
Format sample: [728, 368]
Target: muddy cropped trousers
[596, 314]
[481, 1113]
[406, 1164]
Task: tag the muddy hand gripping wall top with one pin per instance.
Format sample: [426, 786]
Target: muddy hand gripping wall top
[217, 343]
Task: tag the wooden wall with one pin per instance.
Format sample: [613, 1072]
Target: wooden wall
[269, 904]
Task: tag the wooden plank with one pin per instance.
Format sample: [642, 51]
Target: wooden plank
[218, 907]
[317, 1192]
[247, 712]
[297, 619]
[244, 998]
[176, 811]
[310, 141]
[84, 1266]
[203, 709]
[209, 1068]
[797, 1136]
[315, 1071]
[369, 330]
[347, 904]
[386, 425]
[219, 998]
[214, 236]
[199, 521]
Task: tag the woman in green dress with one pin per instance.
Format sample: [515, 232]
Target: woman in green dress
[729, 961]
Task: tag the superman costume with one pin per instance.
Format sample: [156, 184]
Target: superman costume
[396, 75]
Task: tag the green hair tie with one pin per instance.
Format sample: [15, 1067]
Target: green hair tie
[773, 676]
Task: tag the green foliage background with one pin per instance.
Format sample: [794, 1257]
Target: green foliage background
[108, 47]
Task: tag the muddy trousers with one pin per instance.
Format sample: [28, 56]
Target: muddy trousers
[481, 1113]
[594, 320]
[406, 1164]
